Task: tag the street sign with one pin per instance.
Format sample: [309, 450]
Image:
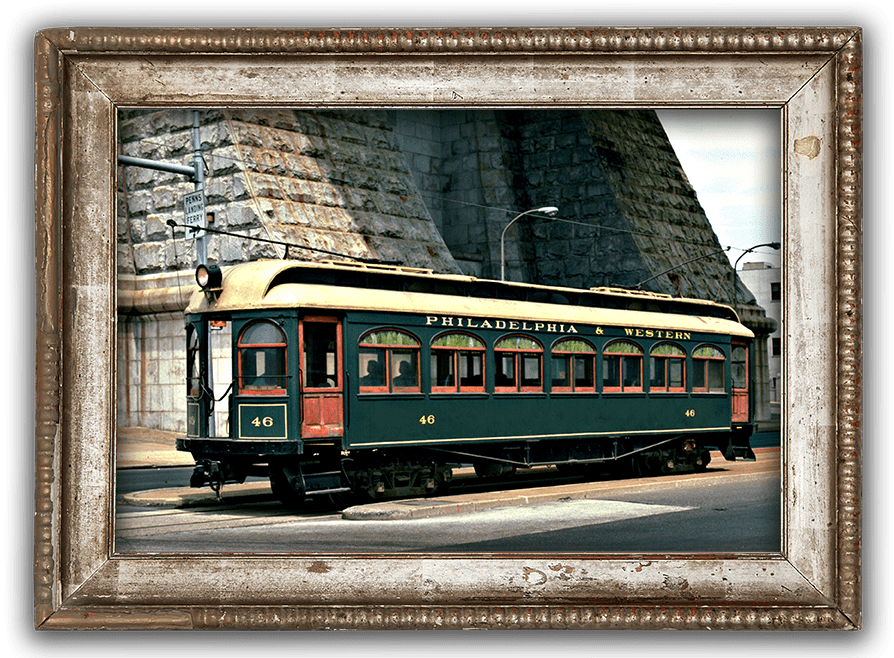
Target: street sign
[194, 211]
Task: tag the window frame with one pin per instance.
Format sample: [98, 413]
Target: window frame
[517, 356]
[745, 366]
[570, 357]
[621, 356]
[666, 358]
[240, 352]
[705, 360]
[389, 348]
[304, 370]
[193, 361]
[455, 356]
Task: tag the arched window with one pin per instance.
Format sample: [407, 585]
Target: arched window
[519, 365]
[457, 364]
[667, 367]
[262, 359]
[707, 370]
[389, 362]
[622, 367]
[574, 366]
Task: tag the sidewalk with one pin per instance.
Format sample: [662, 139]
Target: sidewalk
[138, 447]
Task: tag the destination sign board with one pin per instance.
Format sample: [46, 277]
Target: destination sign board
[194, 211]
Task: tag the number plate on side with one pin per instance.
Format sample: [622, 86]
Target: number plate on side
[192, 419]
[262, 421]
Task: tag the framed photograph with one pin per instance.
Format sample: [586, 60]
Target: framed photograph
[107, 97]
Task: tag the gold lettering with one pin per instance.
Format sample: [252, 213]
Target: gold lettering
[551, 327]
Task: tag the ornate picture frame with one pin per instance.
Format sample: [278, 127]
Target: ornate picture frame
[812, 75]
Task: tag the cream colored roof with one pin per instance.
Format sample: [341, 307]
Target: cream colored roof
[247, 287]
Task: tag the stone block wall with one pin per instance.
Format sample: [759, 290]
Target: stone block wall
[151, 386]
[335, 182]
[151, 382]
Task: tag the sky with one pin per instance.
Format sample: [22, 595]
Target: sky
[733, 160]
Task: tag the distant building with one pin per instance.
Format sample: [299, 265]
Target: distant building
[765, 281]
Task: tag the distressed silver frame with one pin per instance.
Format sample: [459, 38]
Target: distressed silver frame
[813, 75]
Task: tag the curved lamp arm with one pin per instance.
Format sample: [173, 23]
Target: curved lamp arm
[549, 211]
[772, 245]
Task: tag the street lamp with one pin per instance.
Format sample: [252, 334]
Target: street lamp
[772, 245]
[549, 211]
[639, 285]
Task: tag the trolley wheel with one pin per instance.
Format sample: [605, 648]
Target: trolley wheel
[705, 460]
[646, 465]
[441, 484]
[283, 488]
[340, 500]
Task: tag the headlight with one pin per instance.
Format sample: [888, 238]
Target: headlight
[208, 277]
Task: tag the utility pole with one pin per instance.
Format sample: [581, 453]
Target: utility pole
[199, 166]
[194, 211]
[194, 204]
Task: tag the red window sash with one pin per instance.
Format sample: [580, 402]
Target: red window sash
[240, 353]
[622, 388]
[339, 371]
[389, 386]
[703, 361]
[457, 387]
[574, 388]
[665, 363]
[516, 359]
[747, 357]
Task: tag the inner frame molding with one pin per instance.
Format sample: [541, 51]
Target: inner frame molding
[812, 75]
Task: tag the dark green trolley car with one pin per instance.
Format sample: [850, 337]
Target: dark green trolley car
[358, 379]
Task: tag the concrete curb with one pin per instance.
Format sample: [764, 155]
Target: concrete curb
[188, 497]
[448, 506]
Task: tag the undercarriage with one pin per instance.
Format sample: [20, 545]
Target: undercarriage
[327, 472]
